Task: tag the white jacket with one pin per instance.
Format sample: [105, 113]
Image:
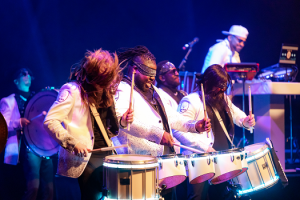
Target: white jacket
[10, 111]
[191, 106]
[70, 110]
[221, 54]
[146, 130]
[168, 99]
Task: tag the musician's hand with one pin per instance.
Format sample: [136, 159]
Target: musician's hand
[167, 139]
[249, 121]
[127, 118]
[24, 122]
[210, 149]
[81, 150]
[203, 125]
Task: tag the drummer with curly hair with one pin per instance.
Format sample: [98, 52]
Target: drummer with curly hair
[74, 120]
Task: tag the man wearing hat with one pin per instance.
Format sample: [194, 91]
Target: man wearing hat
[227, 51]
[167, 81]
[37, 170]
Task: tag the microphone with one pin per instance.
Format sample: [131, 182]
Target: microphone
[190, 44]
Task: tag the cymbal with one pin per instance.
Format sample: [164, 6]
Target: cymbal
[3, 132]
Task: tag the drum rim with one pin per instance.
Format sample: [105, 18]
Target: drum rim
[234, 150]
[261, 149]
[172, 156]
[139, 162]
[199, 155]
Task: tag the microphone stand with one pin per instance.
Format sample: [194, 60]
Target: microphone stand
[181, 66]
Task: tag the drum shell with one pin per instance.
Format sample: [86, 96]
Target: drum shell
[261, 169]
[227, 166]
[201, 168]
[130, 180]
[171, 170]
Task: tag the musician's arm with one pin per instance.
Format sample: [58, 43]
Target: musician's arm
[59, 112]
[7, 113]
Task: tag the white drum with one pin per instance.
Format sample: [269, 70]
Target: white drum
[261, 173]
[244, 162]
[130, 176]
[171, 170]
[201, 167]
[228, 165]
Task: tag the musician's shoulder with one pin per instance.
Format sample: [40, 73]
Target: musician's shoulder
[184, 93]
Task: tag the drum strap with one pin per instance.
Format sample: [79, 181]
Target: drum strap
[100, 124]
[222, 125]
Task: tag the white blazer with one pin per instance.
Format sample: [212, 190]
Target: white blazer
[10, 111]
[146, 130]
[168, 99]
[70, 111]
[191, 106]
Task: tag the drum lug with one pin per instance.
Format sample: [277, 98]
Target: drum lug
[242, 157]
[208, 161]
[160, 163]
[232, 158]
[193, 163]
[185, 163]
[215, 160]
[265, 165]
[176, 162]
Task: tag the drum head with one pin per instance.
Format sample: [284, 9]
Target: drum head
[3, 132]
[130, 159]
[36, 136]
[255, 148]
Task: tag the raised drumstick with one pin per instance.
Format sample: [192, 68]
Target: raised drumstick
[131, 95]
[188, 148]
[42, 114]
[250, 106]
[204, 107]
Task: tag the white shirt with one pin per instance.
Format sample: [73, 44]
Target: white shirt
[221, 54]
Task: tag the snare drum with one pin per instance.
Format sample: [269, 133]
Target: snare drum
[228, 164]
[36, 137]
[261, 173]
[201, 167]
[171, 170]
[130, 176]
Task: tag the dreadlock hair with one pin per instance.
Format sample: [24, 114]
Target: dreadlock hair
[98, 76]
[129, 54]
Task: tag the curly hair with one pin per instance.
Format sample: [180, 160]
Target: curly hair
[98, 75]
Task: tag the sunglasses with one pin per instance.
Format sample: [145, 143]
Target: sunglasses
[24, 74]
[239, 40]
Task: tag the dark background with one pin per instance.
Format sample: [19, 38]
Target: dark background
[50, 36]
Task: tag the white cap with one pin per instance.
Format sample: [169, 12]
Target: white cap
[238, 31]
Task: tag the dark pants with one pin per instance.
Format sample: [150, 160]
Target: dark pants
[187, 191]
[38, 173]
[91, 180]
[220, 192]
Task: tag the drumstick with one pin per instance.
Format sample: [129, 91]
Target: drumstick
[188, 148]
[131, 95]
[204, 107]
[109, 148]
[42, 114]
[250, 106]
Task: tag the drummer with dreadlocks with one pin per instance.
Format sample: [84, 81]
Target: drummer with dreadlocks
[151, 130]
[82, 104]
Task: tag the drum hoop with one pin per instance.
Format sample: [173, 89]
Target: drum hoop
[235, 150]
[261, 149]
[172, 156]
[128, 162]
[201, 155]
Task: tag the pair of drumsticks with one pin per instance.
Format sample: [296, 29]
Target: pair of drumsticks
[205, 112]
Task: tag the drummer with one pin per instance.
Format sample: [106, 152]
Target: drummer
[82, 103]
[150, 133]
[38, 171]
[215, 81]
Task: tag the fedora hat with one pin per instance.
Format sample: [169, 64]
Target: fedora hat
[238, 31]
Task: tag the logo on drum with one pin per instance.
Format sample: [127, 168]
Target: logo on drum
[184, 106]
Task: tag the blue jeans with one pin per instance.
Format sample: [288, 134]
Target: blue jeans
[38, 173]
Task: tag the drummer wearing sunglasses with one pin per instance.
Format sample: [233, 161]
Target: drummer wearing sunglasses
[167, 81]
[38, 171]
